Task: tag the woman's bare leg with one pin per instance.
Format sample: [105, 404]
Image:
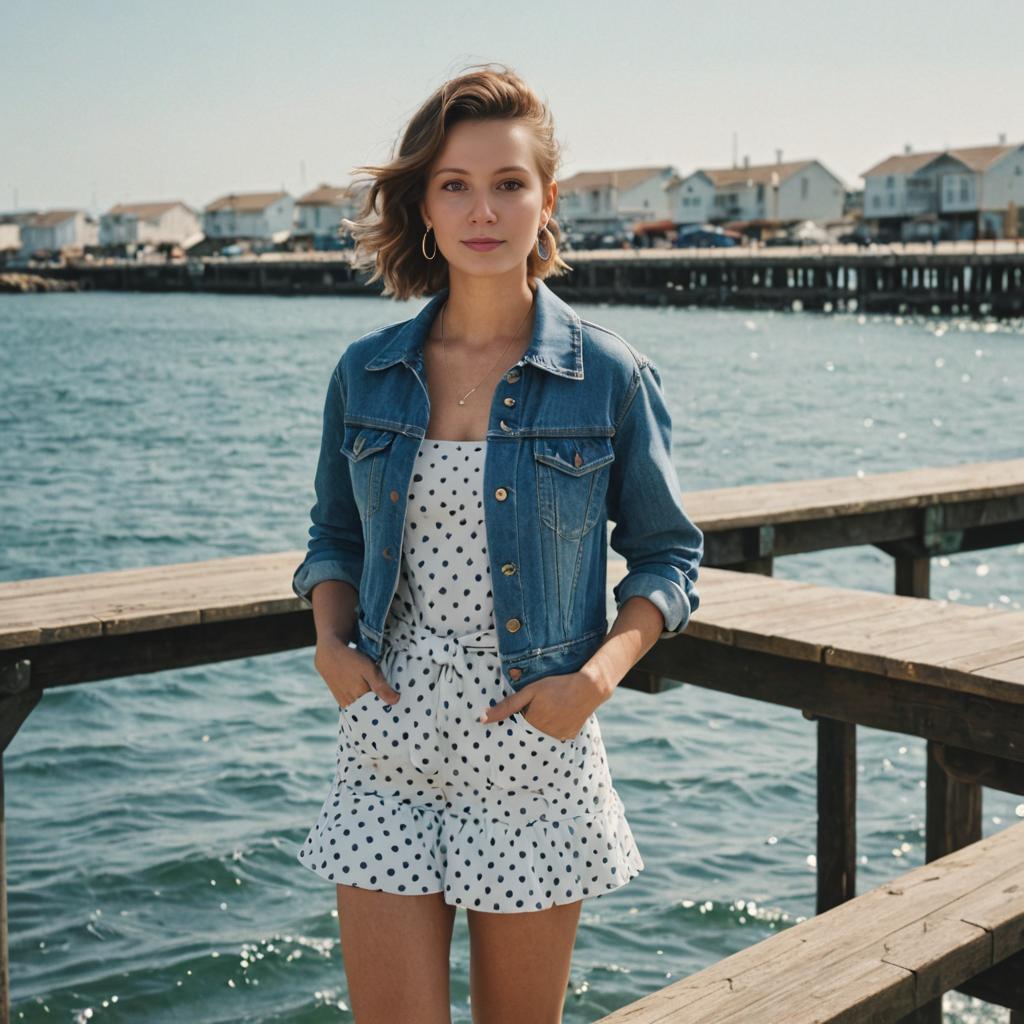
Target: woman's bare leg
[395, 949]
[519, 964]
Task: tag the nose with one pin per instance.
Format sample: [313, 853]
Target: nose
[482, 212]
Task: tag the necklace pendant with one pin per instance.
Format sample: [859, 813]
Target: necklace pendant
[462, 401]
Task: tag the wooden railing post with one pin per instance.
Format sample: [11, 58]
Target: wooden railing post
[17, 699]
[5, 969]
[837, 813]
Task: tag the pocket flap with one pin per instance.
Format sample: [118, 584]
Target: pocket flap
[574, 455]
[362, 441]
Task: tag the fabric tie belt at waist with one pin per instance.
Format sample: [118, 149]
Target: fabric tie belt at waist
[442, 650]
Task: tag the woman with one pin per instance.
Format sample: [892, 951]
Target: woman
[471, 457]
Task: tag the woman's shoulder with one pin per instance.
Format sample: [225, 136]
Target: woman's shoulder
[605, 345]
[366, 346]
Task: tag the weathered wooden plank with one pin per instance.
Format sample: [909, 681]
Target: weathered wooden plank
[806, 639]
[19, 633]
[151, 600]
[51, 631]
[116, 579]
[882, 953]
[1008, 671]
[997, 628]
[149, 593]
[985, 658]
[793, 500]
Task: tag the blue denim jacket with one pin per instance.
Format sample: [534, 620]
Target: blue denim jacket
[578, 434]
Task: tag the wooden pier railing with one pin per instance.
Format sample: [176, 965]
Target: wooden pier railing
[882, 957]
[951, 673]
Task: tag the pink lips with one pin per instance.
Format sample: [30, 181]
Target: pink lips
[482, 244]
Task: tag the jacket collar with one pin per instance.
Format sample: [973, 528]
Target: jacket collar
[556, 345]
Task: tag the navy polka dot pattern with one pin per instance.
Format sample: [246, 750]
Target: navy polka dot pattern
[499, 817]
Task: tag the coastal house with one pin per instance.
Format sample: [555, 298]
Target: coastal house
[607, 201]
[149, 223]
[785, 192]
[10, 232]
[959, 193]
[691, 199]
[249, 215]
[320, 211]
[58, 230]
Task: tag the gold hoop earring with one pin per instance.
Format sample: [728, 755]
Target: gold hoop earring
[423, 244]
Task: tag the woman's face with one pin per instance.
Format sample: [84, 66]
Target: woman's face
[484, 184]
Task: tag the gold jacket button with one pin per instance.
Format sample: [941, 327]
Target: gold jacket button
[394, 495]
[504, 426]
[510, 402]
[387, 553]
[512, 625]
[514, 673]
[512, 376]
[501, 494]
[578, 460]
[509, 568]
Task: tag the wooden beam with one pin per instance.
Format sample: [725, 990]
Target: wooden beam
[837, 813]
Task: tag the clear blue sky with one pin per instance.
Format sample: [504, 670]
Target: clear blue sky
[126, 101]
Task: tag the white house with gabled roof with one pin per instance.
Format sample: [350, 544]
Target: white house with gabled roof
[950, 193]
[608, 200]
[56, 230]
[152, 223]
[249, 215]
[320, 211]
[795, 190]
[691, 199]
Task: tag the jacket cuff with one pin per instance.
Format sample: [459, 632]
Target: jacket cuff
[309, 574]
[668, 597]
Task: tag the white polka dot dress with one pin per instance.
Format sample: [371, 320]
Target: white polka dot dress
[500, 816]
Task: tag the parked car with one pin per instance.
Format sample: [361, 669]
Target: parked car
[858, 236]
[704, 236]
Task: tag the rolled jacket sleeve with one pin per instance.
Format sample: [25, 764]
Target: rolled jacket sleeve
[660, 543]
[335, 549]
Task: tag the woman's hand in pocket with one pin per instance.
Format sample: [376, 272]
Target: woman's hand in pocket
[349, 673]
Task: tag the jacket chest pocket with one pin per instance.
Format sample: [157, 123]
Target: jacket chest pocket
[366, 449]
[572, 482]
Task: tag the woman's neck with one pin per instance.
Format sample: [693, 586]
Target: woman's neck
[481, 312]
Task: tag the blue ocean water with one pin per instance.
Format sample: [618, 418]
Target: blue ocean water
[152, 821]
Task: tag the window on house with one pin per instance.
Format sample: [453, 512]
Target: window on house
[804, 188]
[760, 193]
[963, 190]
[890, 182]
[877, 201]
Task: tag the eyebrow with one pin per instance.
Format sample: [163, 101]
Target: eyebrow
[460, 170]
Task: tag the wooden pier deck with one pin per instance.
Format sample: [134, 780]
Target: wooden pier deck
[948, 672]
[882, 957]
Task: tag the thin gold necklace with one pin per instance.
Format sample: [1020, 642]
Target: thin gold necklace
[444, 349]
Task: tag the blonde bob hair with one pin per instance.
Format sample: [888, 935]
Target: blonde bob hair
[389, 228]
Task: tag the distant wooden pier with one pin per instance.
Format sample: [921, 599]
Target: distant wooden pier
[953, 674]
[911, 280]
[979, 279]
